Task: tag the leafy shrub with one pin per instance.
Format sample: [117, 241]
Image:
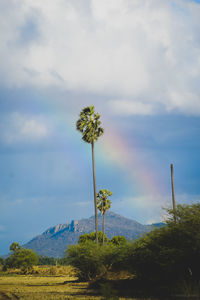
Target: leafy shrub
[118, 240]
[21, 258]
[159, 261]
[92, 237]
[171, 254]
[46, 260]
[86, 258]
[90, 259]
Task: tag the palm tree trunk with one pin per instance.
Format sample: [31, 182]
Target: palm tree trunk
[103, 227]
[95, 194]
[173, 194]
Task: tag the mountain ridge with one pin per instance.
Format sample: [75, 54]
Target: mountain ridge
[55, 240]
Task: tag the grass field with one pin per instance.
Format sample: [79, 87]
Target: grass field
[46, 283]
[61, 283]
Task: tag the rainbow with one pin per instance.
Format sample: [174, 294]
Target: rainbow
[114, 150]
[117, 150]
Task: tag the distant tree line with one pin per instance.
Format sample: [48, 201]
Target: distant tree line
[25, 259]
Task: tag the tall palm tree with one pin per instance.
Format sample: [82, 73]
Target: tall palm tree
[103, 204]
[89, 125]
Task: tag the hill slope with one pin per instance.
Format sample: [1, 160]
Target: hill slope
[54, 241]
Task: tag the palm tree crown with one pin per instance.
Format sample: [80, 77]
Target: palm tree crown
[89, 125]
[103, 203]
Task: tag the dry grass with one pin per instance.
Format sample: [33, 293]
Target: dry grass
[48, 283]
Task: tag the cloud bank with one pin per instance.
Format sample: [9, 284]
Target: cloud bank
[19, 128]
[145, 54]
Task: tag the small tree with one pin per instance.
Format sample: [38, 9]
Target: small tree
[91, 237]
[21, 258]
[89, 125]
[86, 257]
[91, 260]
[118, 240]
[14, 246]
[103, 204]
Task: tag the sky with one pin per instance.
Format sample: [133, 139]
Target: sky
[138, 63]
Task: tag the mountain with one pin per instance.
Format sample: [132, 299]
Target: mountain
[55, 240]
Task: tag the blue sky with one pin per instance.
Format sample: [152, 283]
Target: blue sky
[138, 63]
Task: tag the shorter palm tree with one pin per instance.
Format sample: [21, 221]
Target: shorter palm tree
[103, 204]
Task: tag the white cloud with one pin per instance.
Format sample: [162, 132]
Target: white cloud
[124, 107]
[130, 49]
[184, 101]
[24, 128]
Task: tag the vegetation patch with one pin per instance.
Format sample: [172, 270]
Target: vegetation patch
[164, 262]
[41, 287]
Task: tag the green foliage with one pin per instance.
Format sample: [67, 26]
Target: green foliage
[95, 261]
[91, 237]
[89, 125]
[103, 203]
[171, 254]
[91, 260]
[118, 240]
[21, 258]
[86, 258]
[14, 246]
[160, 261]
[1, 261]
[46, 260]
[188, 215]
[63, 261]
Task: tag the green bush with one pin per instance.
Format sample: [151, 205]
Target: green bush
[160, 261]
[21, 258]
[91, 260]
[46, 260]
[171, 254]
[118, 240]
[86, 258]
[92, 237]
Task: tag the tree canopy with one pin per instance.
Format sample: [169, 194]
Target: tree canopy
[21, 258]
[164, 260]
[103, 203]
[90, 237]
[89, 124]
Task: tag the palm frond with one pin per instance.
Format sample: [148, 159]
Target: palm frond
[89, 124]
[103, 203]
